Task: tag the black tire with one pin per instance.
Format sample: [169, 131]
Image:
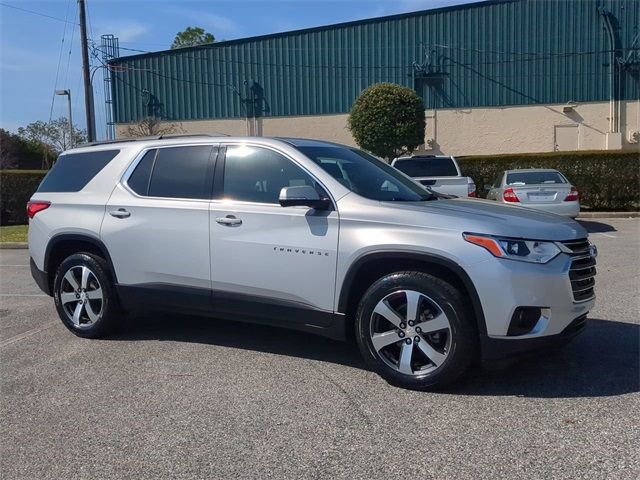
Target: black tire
[461, 349]
[106, 312]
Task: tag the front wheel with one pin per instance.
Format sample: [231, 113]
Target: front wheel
[415, 331]
[85, 296]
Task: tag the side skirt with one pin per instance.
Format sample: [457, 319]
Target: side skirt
[232, 306]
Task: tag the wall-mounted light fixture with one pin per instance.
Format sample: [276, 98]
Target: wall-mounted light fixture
[569, 106]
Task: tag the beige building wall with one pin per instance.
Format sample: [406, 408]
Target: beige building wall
[477, 131]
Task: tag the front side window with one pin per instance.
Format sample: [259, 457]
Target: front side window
[366, 175]
[176, 172]
[256, 174]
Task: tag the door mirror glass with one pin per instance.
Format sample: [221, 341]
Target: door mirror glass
[303, 195]
[488, 187]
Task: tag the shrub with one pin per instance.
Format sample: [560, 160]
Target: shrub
[606, 180]
[387, 120]
[16, 188]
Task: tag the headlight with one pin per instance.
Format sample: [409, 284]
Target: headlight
[533, 251]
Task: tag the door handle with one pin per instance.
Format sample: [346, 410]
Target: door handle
[229, 220]
[120, 213]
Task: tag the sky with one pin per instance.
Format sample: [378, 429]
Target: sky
[39, 54]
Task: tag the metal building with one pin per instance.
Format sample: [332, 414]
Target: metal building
[496, 76]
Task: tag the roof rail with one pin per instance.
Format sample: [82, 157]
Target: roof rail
[153, 137]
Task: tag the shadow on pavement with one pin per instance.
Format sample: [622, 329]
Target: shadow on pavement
[596, 227]
[602, 361]
[212, 331]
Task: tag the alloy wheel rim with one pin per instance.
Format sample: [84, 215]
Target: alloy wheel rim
[410, 332]
[81, 296]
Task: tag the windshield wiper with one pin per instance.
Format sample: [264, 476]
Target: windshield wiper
[436, 195]
[422, 198]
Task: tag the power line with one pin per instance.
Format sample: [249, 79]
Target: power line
[66, 75]
[194, 81]
[451, 63]
[36, 13]
[55, 83]
[540, 57]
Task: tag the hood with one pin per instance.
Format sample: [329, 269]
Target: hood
[492, 218]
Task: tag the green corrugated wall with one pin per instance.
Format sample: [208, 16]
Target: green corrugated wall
[513, 52]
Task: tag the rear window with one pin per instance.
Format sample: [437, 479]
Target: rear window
[427, 167]
[535, 178]
[73, 171]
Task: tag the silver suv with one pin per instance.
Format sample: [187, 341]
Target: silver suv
[307, 235]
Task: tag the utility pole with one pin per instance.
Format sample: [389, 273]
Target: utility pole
[88, 90]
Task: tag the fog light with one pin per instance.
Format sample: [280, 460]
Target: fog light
[523, 320]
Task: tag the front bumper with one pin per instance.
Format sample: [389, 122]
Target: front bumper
[495, 349]
[41, 278]
[504, 286]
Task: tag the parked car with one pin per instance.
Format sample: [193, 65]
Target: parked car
[438, 172]
[542, 189]
[308, 235]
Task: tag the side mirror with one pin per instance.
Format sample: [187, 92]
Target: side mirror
[488, 188]
[304, 195]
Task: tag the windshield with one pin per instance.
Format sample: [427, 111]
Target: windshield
[427, 166]
[366, 175]
[535, 178]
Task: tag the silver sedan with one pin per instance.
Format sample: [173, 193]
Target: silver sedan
[541, 189]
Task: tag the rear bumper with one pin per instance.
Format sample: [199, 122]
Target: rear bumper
[494, 349]
[566, 209]
[41, 278]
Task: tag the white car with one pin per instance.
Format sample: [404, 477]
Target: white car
[542, 189]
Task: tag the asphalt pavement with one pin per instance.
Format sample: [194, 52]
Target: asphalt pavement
[190, 398]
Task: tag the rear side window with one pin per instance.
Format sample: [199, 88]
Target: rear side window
[180, 172]
[139, 179]
[427, 167]
[73, 171]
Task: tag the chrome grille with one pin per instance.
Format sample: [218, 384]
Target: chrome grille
[583, 269]
[578, 247]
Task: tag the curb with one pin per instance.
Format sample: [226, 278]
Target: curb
[584, 215]
[13, 246]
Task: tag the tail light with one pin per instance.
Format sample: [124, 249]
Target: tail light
[573, 195]
[510, 196]
[35, 207]
[471, 189]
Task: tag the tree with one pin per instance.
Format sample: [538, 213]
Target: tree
[191, 37]
[17, 153]
[151, 126]
[387, 120]
[54, 136]
[54, 133]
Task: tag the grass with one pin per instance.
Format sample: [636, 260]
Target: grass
[14, 233]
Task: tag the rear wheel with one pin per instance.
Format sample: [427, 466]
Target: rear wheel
[415, 331]
[85, 296]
